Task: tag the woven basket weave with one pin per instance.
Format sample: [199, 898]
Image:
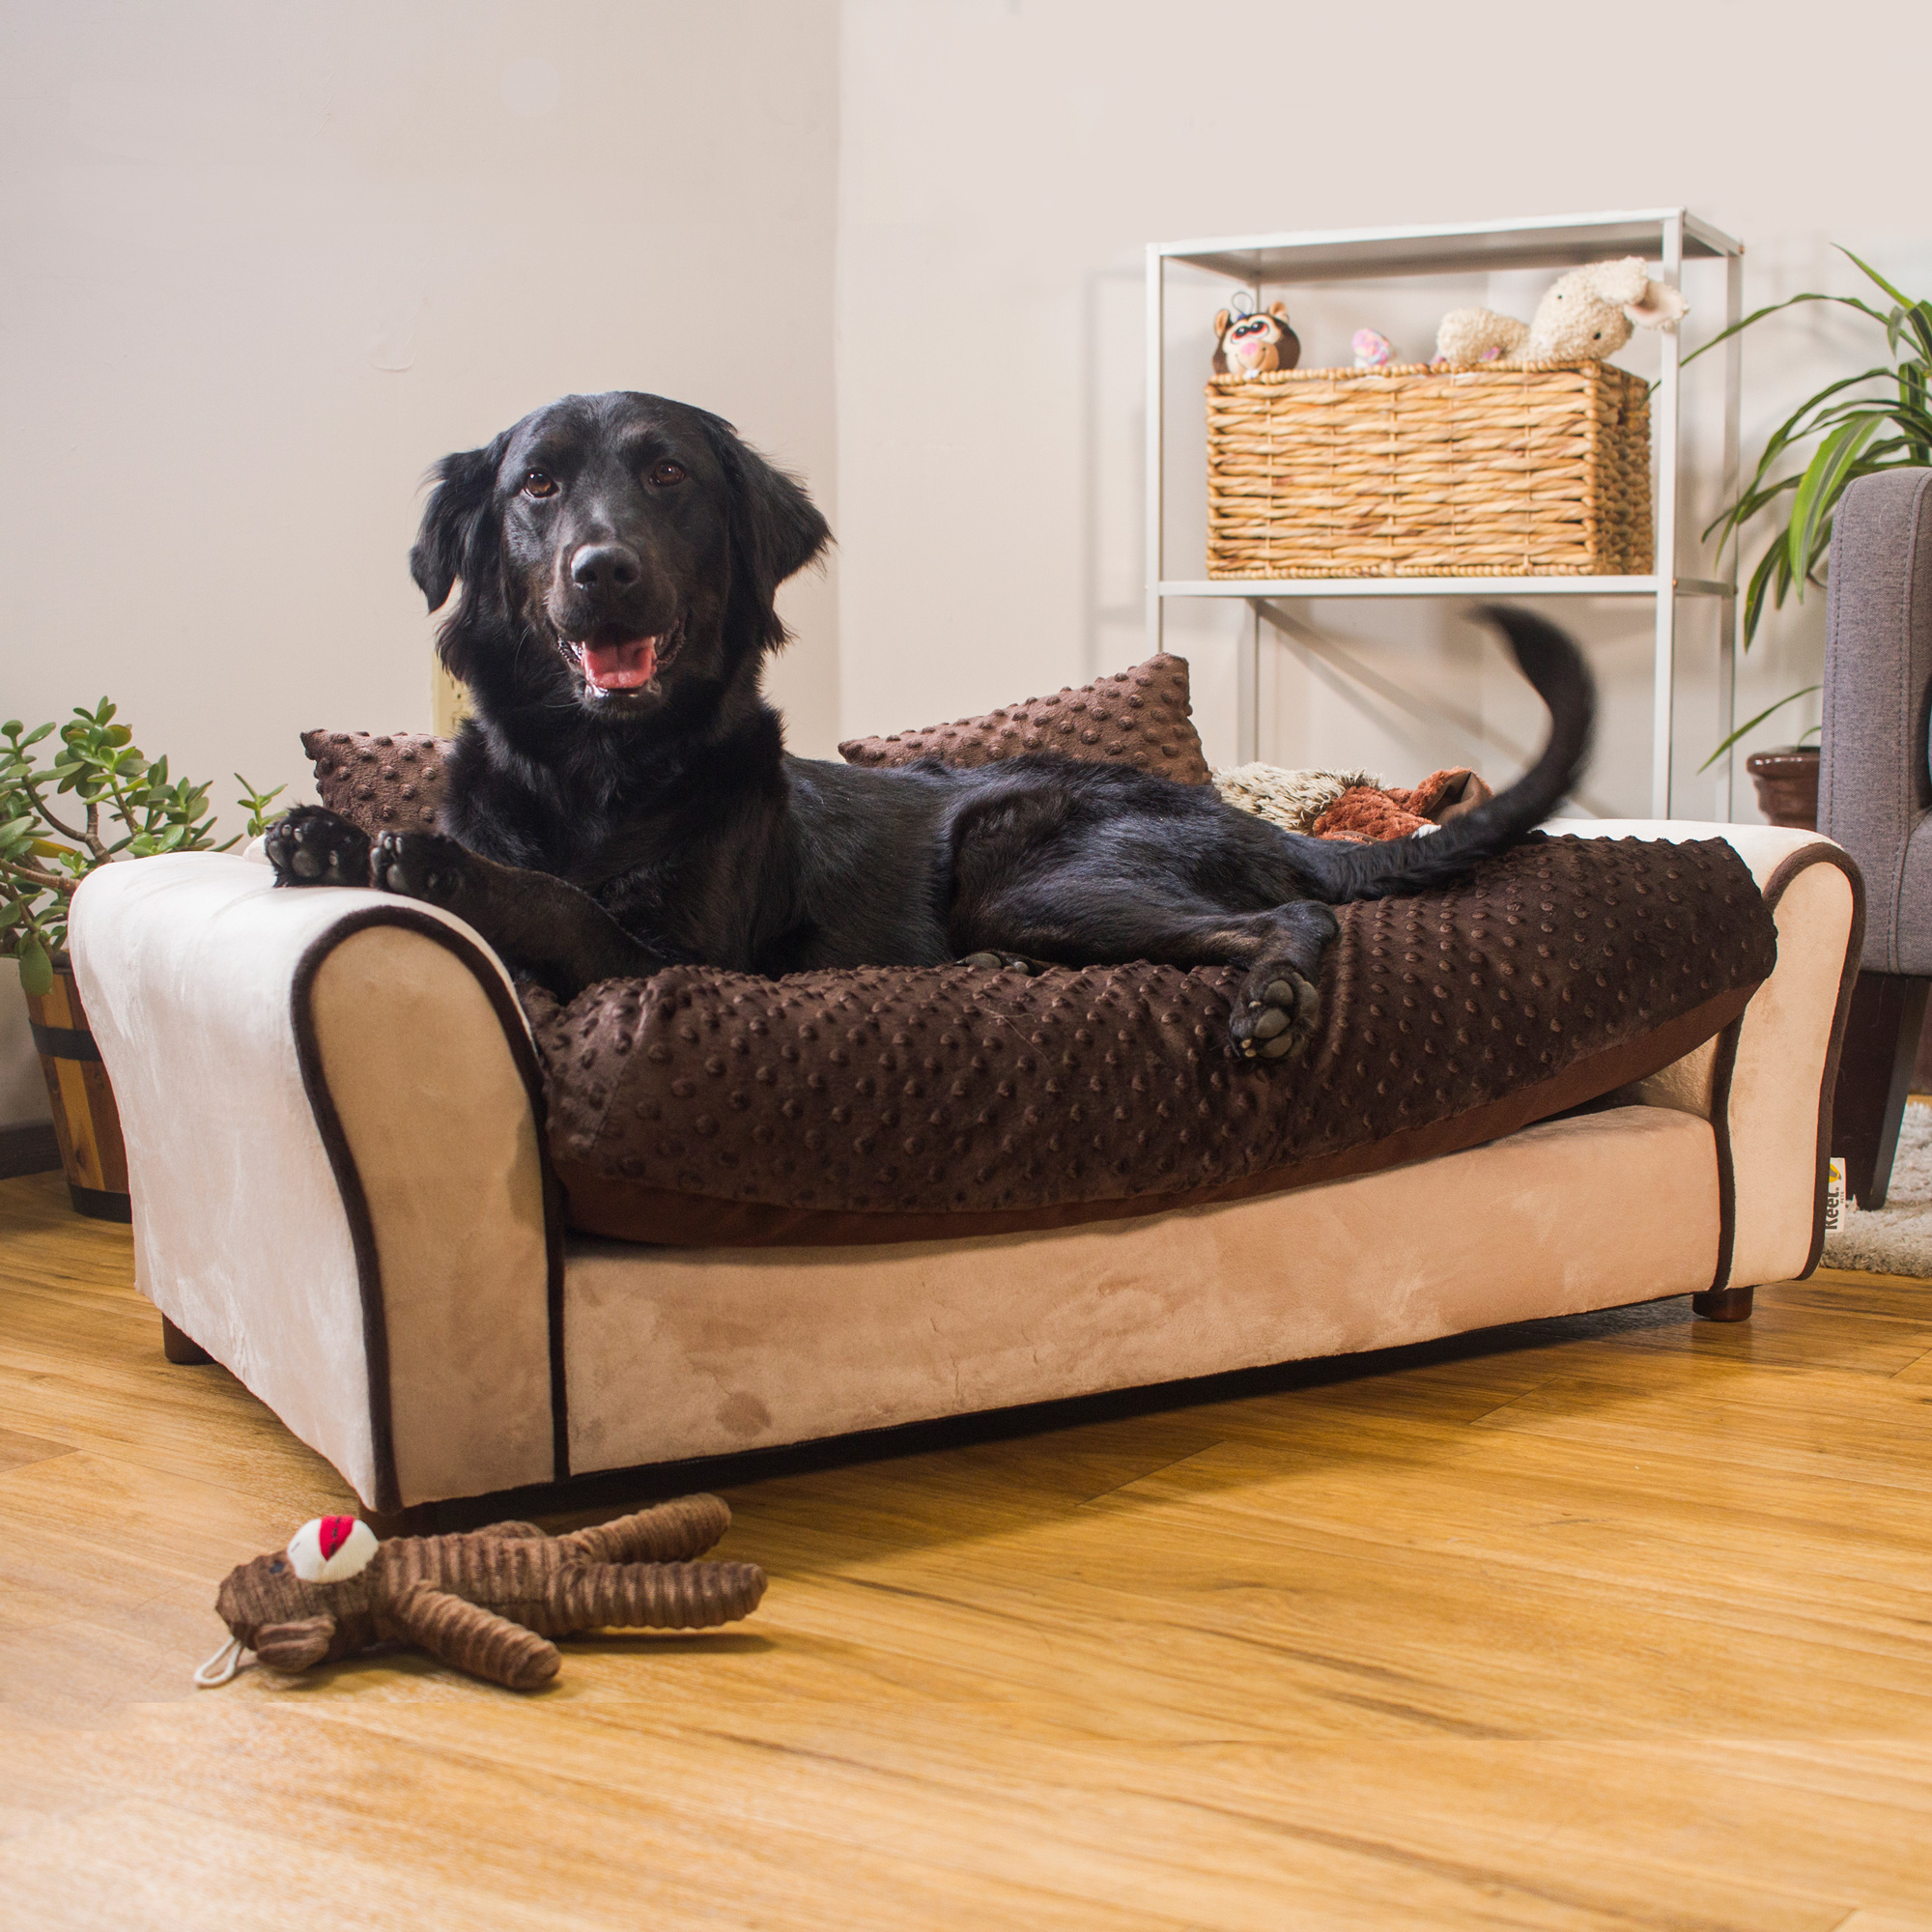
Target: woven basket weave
[1517, 469]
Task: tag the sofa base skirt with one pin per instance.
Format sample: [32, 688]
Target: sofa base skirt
[671, 1354]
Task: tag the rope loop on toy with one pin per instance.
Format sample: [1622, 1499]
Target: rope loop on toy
[222, 1666]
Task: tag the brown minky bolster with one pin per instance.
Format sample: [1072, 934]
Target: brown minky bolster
[709, 1108]
[1142, 717]
[393, 782]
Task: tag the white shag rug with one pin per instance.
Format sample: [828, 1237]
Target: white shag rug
[1897, 1237]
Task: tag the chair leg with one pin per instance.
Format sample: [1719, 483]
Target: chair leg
[1723, 1304]
[181, 1349]
[1874, 1077]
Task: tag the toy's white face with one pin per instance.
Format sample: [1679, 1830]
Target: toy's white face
[1254, 344]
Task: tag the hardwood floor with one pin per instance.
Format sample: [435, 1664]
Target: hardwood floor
[1614, 1622]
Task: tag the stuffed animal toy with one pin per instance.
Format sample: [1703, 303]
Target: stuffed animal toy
[1586, 316]
[483, 1603]
[1372, 349]
[1252, 345]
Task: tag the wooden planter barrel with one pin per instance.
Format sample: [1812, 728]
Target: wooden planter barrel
[86, 1122]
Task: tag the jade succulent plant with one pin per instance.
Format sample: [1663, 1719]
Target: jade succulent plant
[97, 799]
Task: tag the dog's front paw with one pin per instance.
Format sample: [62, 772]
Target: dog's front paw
[309, 847]
[1275, 1014]
[421, 865]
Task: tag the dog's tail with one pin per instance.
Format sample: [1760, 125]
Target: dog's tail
[1553, 665]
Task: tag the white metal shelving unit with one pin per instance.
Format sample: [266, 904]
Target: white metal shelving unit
[1258, 262]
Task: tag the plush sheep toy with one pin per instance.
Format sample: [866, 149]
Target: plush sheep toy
[483, 1603]
[1584, 317]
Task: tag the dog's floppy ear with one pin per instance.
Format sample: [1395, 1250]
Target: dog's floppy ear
[452, 520]
[776, 529]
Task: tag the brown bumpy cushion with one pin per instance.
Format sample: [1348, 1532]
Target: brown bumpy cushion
[1140, 717]
[710, 1108]
[391, 784]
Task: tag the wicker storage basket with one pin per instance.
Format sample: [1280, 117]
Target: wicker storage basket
[1517, 469]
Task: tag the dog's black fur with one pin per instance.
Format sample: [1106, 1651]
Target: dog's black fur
[600, 832]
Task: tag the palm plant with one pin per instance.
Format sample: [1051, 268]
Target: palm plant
[1859, 432]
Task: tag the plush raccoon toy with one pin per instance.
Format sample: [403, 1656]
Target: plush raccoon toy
[1251, 345]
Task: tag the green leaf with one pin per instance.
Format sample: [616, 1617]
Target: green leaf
[1791, 699]
[1824, 480]
[1904, 301]
[37, 970]
[33, 736]
[1790, 301]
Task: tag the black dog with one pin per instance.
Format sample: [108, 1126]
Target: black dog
[622, 800]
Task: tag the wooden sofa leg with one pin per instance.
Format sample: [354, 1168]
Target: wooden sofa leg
[181, 1349]
[1874, 1077]
[1723, 1304]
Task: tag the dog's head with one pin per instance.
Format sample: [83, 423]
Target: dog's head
[613, 551]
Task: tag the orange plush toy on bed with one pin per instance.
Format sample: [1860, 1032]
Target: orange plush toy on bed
[485, 1603]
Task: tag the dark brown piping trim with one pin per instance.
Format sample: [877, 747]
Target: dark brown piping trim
[1722, 1068]
[355, 1203]
[1787, 870]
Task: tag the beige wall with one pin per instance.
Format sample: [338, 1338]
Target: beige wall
[1002, 164]
[264, 262]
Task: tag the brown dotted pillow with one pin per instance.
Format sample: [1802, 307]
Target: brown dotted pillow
[1140, 718]
[393, 782]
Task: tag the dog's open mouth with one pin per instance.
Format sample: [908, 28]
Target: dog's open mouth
[616, 667]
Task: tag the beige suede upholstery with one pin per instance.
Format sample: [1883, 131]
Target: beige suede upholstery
[694, 1353]
[440, 1127]
[1784, 1043]
[339, 1192]
[420, 1368]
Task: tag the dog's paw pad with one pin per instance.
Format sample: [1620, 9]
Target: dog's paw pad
[420, 866]
[1278, 1018]
[308, 846]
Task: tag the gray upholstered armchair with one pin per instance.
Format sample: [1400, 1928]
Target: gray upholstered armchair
[1875, 799]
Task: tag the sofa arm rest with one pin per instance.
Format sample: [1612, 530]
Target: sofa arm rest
[1874, 783]
[332, 1111]
[1766, 1083]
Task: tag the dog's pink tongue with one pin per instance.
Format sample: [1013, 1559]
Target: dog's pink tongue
[621, 667]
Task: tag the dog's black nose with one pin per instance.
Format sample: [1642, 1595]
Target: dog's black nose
[604, 567]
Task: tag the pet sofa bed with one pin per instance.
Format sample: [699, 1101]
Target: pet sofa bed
[464, 1240]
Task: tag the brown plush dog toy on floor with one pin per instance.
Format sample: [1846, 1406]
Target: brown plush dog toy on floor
[483, 1603]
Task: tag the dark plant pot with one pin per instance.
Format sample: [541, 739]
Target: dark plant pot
[86, 1122]
[1786, 777]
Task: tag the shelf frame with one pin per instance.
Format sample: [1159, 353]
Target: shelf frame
[1669, 236]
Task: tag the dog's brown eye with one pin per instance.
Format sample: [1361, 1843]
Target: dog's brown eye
[668, 473]
[539, 483]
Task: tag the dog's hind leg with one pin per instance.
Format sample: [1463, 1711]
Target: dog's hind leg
[1278, 1005]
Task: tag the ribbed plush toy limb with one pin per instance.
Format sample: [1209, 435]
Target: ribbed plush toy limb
[670, 1532]
[655, 1596]
[475, 1640]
